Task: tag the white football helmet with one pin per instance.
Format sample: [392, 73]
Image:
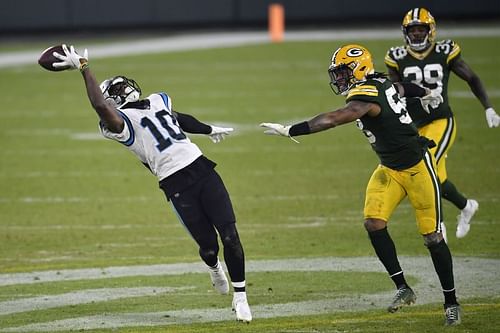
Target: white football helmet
[120, 90]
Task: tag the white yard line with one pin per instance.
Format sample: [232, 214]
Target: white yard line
[186, 42]
[469, 284]
[81, 297]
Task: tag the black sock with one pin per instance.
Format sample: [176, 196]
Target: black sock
[450, 193]
[386, 252]
[443, 264]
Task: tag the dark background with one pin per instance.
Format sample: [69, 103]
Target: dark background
[47, 16]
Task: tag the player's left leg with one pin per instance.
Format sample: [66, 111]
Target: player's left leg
[424, 195]
[383, 194]
[191, 214]
[218, 207]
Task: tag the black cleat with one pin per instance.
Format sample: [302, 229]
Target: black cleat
[453, 314]
[404, 296]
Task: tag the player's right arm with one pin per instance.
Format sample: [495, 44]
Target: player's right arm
[107, 113]
[350, 112]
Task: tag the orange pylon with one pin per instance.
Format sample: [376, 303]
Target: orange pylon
[276, 22]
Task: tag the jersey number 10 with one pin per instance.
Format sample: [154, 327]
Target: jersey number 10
[169, 123]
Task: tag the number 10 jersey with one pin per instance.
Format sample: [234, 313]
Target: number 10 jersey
[153, 134]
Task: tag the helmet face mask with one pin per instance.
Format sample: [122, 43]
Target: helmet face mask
[341, 78]
[419, 29]
[120, 90]
[350, 64]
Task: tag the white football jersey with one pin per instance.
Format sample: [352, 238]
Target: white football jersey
[153, 134]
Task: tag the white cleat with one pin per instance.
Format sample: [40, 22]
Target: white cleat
[443, 232]
[241, 307]
[463, 225]
[219, 279]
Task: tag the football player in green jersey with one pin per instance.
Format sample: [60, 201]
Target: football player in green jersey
[429, 63]
[407, 168]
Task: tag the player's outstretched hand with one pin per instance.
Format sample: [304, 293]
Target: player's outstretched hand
[492, 118]
[71, 59]
[432, 99]
[277, 129]
[218, 133]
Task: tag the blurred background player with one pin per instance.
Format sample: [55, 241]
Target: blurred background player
[406, 166]
[428, 63]
[154, 132]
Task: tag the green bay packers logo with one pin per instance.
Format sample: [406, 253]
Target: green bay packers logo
[354, 52]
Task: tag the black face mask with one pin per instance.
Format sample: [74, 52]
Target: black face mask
[340, 78]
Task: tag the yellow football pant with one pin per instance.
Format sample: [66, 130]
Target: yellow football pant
[442, 132]
[388, 187]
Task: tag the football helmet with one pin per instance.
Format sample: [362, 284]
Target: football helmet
[419, 17]
[120, 90]
[350, 64]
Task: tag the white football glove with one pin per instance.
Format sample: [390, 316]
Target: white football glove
[70, 58]
[277, 129]
[492, 118]
[433, 99]
[218, 133]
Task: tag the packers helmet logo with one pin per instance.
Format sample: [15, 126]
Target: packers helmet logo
[354, 52]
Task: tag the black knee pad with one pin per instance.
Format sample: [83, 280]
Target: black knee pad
[208, 254]
[229, 236]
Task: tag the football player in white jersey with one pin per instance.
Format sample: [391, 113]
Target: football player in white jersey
[155, 133]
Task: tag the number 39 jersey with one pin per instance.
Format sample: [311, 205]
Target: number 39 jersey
[153, 134]
[392, 134]
[430, 69]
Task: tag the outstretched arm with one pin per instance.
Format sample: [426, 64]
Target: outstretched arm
[190, 124]
[350, 112]
[107, 113]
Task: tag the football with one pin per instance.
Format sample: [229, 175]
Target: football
[47, 59]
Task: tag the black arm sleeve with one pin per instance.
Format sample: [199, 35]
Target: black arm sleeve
[300, 129]
[413, 90]
[190, 124]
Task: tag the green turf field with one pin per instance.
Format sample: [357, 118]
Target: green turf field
[71, 200]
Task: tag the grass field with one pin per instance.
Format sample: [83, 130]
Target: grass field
[71, 200]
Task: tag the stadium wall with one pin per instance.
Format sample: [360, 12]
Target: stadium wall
[32, 16]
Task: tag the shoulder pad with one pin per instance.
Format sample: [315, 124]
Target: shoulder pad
[161, 98]
[448, 48]
[394, 54]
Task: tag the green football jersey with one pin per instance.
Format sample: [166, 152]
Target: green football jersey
[430, 69]
[392, 134]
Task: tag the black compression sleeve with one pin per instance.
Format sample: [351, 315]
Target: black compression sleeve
[300, 129]
[413, 90]
[190, 124]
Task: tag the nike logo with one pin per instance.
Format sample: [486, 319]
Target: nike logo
[414, 173]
